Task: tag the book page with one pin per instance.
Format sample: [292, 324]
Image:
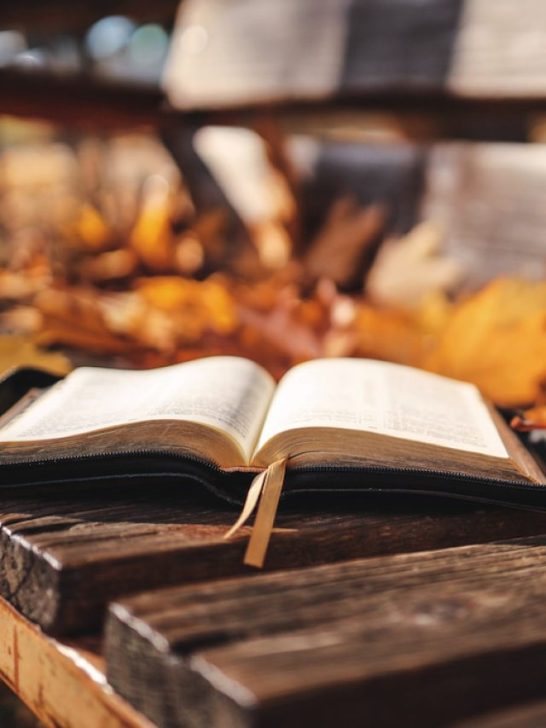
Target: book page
[228, 393]
[388, 399]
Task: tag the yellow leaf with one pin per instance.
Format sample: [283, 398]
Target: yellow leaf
[18, 351]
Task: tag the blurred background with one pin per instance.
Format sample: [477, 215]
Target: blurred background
[281, 180]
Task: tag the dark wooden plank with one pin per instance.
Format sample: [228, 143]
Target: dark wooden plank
[75, 99]
[413, 639]
[435, 68]
[531, 715]
[87, 102]
[63, 16]
[66, 554]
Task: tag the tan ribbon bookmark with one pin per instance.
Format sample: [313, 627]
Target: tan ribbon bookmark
[266, 487]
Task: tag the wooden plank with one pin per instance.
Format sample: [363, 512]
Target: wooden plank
[64, 16]
[528, 715]
[82, 101]
[79, 100]
[531, 715]
[414, 639]
[313, 62]
[65, 555]
[487, 198]
[62, 683]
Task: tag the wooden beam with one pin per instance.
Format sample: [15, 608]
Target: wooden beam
[528, 715]
[438, 636]
[63, 16]
[62, 683]
[76, 100]
[67, 554]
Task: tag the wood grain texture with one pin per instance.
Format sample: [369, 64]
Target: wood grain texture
[528, 715]
[80, 101]
[65, 555]
[62, 683]
[414, 639]
[63, 16]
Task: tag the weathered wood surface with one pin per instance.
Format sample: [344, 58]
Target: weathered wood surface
[62, 683]
[65, 555]
[79, 100]
[414, 639]
[86, 102]
[63, 16]
[529, 715]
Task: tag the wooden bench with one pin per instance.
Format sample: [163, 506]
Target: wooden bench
[408, 612]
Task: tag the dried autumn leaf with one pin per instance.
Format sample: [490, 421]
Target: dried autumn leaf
[20, 285]
[109, 266]
[207, 300]
[16, 351]
[91, 229]
[497, 339]
[75, 307]
[389, 334]
[287, 335]
[339, 249]
[151, 237]
[530, 419]
[73, 318]
[22, 320]
[408, 270]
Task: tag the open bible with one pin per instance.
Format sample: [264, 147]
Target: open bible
[337, 424]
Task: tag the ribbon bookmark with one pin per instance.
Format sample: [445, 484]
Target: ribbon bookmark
[266, 487]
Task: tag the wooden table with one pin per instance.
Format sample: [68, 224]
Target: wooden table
[415, 554]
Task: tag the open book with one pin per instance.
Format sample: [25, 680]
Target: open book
[228, 412]
[338, 424]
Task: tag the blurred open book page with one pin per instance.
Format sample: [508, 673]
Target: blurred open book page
[382, 398]
[226, 393]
